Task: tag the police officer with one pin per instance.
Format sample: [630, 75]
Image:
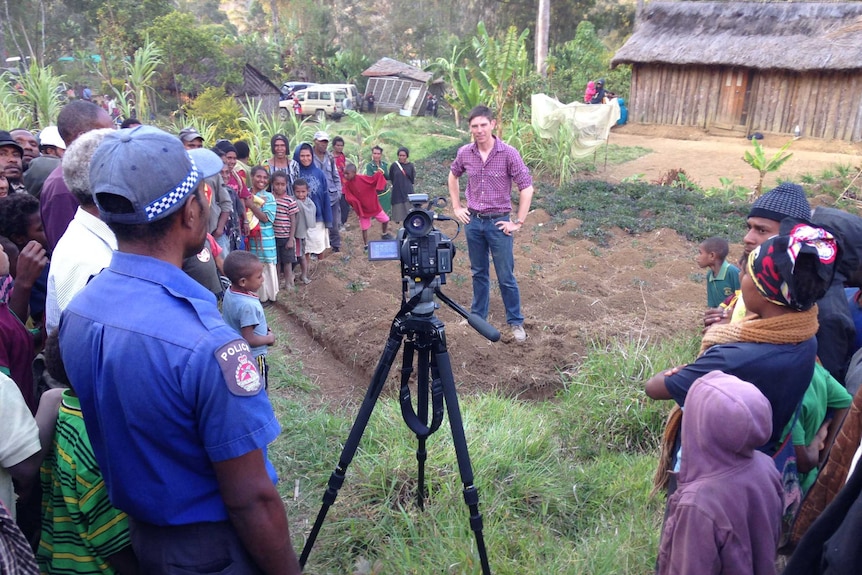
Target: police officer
[173, 402]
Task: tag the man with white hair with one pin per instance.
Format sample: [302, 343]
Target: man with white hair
[88, 243]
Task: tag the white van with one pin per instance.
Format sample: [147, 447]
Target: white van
[324, 100]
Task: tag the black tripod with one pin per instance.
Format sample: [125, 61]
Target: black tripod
[426, 338]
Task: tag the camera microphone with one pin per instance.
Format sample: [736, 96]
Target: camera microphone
[490, 332]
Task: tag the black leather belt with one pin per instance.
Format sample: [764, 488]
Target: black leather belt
[486, 215]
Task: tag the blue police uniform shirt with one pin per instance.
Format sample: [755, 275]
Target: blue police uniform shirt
[781, 372]
[166, 388]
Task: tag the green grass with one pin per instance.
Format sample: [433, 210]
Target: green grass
[563, 485]
[412, 132]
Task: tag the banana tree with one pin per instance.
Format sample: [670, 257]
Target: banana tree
[764, 165]
[500, 63]
[466, 95]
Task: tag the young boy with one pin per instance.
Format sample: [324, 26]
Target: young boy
[242, 309]
[722, 279]
[725, 516]
[305, 217]
[284, 226]
[361, 194]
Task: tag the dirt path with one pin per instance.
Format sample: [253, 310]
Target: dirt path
[707, 158]
[341, 386]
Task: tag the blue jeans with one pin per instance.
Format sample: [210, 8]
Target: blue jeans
[484, 238]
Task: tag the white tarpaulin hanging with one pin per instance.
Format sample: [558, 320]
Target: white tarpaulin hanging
[586, 125]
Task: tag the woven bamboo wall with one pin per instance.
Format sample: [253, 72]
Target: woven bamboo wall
[825, 105]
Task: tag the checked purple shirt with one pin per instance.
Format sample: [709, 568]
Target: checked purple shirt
[489, 183]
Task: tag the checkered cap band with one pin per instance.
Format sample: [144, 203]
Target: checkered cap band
[175, 196]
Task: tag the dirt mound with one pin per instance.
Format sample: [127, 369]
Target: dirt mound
[572, 293]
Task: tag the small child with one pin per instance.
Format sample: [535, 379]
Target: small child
[242, 309]
[305, 218]
[361, 194]
[722, 279]
[81, 531]
[284, 226]
[725, 517]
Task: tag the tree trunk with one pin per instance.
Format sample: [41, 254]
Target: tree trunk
[543, 25]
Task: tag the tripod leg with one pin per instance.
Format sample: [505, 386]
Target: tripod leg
[422, 413]
[336, 480]
[471, 494]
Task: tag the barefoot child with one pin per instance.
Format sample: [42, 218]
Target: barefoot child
[361, 194]
[242, 309]
[284, 227]
[305, 217]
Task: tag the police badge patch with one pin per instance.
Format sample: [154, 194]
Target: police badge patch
[238, 368]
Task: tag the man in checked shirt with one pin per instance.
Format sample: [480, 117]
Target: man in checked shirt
[491, 167]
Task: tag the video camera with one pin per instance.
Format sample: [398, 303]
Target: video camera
[424, 251]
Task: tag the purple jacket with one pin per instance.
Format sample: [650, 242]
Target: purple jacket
[725, 516]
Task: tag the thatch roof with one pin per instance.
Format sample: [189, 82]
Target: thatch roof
[390, 67]
[786, 35]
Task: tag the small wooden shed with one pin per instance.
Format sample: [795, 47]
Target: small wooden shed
[748, 67]
[257, 87]
[397, 86]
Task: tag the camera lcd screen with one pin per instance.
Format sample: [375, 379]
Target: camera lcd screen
[384, 250]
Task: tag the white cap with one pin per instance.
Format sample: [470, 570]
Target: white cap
[50, 136]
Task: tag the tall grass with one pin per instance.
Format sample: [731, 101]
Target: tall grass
[13, 113]
[42, 94]
[563, 485]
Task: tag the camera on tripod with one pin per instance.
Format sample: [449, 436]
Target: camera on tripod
[424, 251]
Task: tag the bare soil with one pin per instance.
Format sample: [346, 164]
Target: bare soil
[573, 292]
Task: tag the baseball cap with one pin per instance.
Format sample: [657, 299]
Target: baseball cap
[50, 136]
[6, 139]
[189, 134]
[321, 136]
[151, 169]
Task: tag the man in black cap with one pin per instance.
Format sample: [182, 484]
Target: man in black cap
[175, 407]
[11, 158]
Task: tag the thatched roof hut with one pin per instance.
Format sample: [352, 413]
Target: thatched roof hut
[397, 86]
[751, 56]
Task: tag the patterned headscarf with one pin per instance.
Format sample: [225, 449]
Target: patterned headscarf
[771, 265]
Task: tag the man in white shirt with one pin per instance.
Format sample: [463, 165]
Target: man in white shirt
[86, 247]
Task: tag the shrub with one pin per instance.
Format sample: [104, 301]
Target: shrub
[215, 107]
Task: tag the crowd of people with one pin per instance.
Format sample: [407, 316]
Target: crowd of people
[748, 459]
[121, 249]
[135, 266]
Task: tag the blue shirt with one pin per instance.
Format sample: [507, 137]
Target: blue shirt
[781, 372]
[242, 310]
[166, 388]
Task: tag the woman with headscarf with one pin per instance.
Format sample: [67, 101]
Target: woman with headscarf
[317, 239]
